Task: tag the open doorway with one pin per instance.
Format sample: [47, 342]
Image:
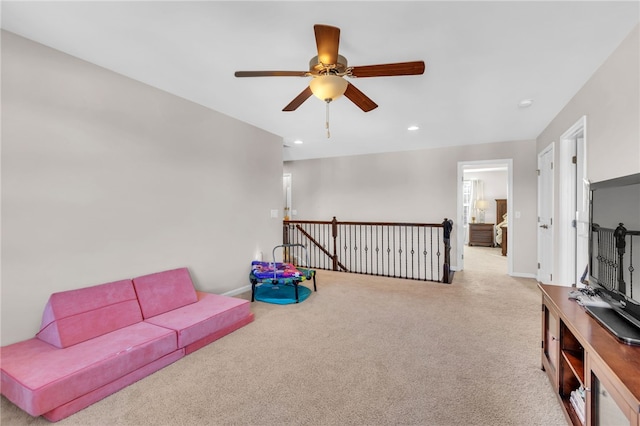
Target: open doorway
[484, 203]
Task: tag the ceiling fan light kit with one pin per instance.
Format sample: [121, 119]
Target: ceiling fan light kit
[328, 70]
[328, 87]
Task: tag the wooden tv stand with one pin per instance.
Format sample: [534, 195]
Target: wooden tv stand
[578, 351]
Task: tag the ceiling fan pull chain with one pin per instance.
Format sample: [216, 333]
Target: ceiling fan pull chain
[327, 122]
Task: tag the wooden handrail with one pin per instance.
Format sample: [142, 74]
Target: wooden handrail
[330, 222]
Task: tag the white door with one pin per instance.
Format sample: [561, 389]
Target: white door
[545, 215]
[286, 195]
[582, 210]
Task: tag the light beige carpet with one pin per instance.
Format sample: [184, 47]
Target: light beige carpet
[361, 351]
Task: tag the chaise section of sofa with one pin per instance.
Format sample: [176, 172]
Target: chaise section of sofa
[89, 338]
[198, 318]
[39, 378]
[97, 340]
[201, 323]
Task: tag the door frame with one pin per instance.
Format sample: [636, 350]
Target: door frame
[459, 226]
[569, 187]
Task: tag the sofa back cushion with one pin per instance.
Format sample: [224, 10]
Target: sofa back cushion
[164, 291]
[74, 316]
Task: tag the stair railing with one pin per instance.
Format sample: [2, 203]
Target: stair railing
[612, 258]
[418, 251]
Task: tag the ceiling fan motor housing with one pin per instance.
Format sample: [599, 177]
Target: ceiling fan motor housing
[317, 67]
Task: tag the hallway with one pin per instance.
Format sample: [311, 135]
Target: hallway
[485, 259]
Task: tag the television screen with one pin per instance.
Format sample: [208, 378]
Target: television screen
[614, 264]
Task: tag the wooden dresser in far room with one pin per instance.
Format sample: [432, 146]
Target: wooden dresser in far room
[481, 234]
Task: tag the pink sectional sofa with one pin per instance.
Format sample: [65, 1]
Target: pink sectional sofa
[96, 340]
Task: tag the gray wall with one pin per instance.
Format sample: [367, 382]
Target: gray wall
[610, 100]
[415, 186]
[105, 178]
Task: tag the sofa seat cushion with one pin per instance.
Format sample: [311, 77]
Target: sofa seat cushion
[73, 316]
[39, 377]
[210, 314]
[164, 291]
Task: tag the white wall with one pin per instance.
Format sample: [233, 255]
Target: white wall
[611, 102]
[414, 186]
[105, 178]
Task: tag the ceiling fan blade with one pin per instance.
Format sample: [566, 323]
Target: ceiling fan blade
[359, 98]
[298, 100]
[271, 73]
[327, 41]
[389, 70]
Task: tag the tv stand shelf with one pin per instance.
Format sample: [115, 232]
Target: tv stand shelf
[576, 364]
[579, 353]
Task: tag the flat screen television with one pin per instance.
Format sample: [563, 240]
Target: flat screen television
[614, 255]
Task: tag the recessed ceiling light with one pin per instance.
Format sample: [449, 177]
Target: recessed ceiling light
[297, 142]
[413, 128]
[525, 103]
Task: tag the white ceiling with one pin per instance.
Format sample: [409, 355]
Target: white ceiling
[482, 59]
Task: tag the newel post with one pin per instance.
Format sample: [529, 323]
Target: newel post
[334, 234]
[285, 232]
[447, 226]
[620, 234]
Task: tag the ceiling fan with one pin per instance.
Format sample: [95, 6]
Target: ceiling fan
[328, 70]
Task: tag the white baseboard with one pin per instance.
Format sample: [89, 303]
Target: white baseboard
[523, 275]
[238, 291]
[514, 274]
